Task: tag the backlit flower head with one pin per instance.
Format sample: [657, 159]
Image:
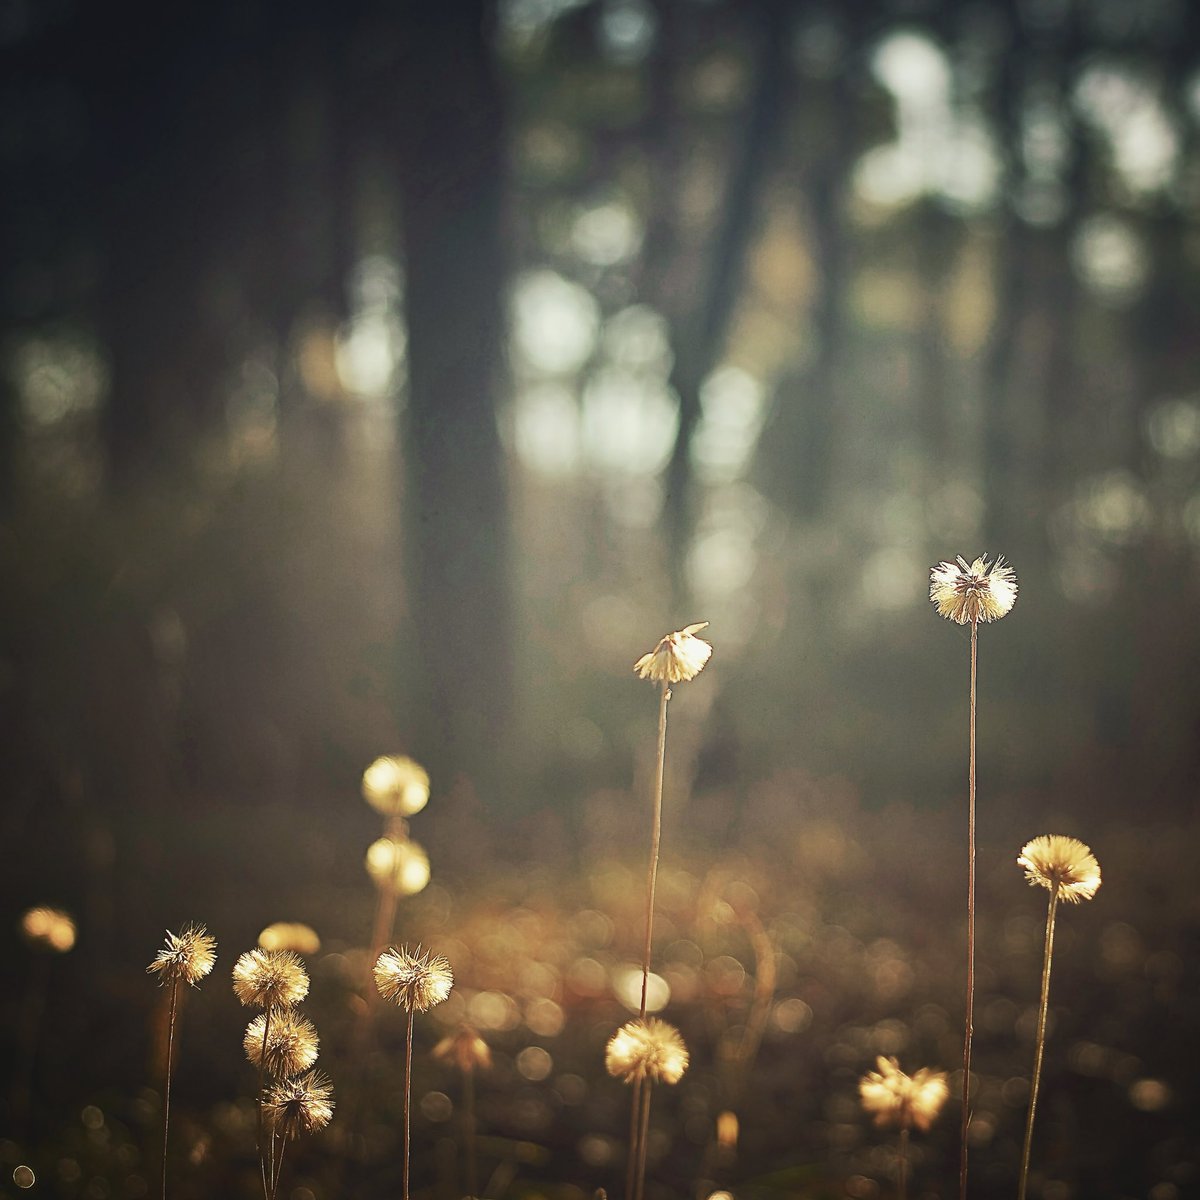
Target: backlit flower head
[649, 1049]
[186, 958]
[899, 1101]
[1061, 864]
[291, 1043]
[465, 1049]
[48, 929]
[398, 863]
[678, 657]
[303, 1104]
[413, 979]
[290, 935]
[270, 979]
[969, 593]
[396, 786]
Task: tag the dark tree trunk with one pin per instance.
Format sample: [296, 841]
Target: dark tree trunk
[455, 507]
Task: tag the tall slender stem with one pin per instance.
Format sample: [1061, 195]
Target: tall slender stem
[643, 1139]
[277, 1165]
[262, 1087]
[635, 1114]
[167, 1083]
[970, 1017]
[655, 839]
[469, 1123]
[1041, 1042]
[904, 1163]
[407, 1102]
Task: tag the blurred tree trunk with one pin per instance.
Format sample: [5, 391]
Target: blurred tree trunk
[700, 343]
[450, 136]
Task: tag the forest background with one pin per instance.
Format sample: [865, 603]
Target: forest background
[388, 378]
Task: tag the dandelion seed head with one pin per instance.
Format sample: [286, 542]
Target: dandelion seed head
[291, 1045]
[649, 1049]
[290, 935]
[899, 1101]
[396, 786]
[678, 657]
[401, 865]
[415, 980]
[972, 592]
[270, 979]
[48, 929]
[464, 1049]
[187, 956]
[303, 1104]
[1061, 864]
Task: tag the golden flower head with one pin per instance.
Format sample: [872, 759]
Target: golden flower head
[399, 864]
[1061, 864]
[299, 1105]
[270, 979]
[899, 1101]
[465, 1049]
[649, 1049]
[291, 1045]
[980, 591]
[290, 935]
[48, 929]
[678, 657]
[186, 958]
[396, 786]
[413, 979]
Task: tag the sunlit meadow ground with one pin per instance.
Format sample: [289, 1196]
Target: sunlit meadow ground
[541, 923]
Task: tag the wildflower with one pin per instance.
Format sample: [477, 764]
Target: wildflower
[396, 786]
[678, 657]
[465, 1049]
[646, 1049]
[1061, 864]
[981, 591]
[186, 958]
[49, 929]
[290, 935]
[303, 1104]
[399, 864]
[413, 979]
[291, 1043]
[270, 979]
[901, 1101]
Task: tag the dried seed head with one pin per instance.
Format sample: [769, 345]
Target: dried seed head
[465, 1049]
[649, 1049]
[48, 929]
[291, 1043]
[970, 593]
[401, 865]
[290, 935]
[678, 657]
[396, 786]
[1061, 864]
[413, 979]
[899, 1101]
[270, 979]
[300, 1105]
[186, 958]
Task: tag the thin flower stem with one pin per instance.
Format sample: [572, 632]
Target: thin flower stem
[277, 1166]
[167, 1083]
[1041, 1043]
[643, 1140]
[904, 1163]
[469, 1123]
[262, 1088]
[970, 1016]
[635, 1112]
[655, 840]
[407, 1101]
